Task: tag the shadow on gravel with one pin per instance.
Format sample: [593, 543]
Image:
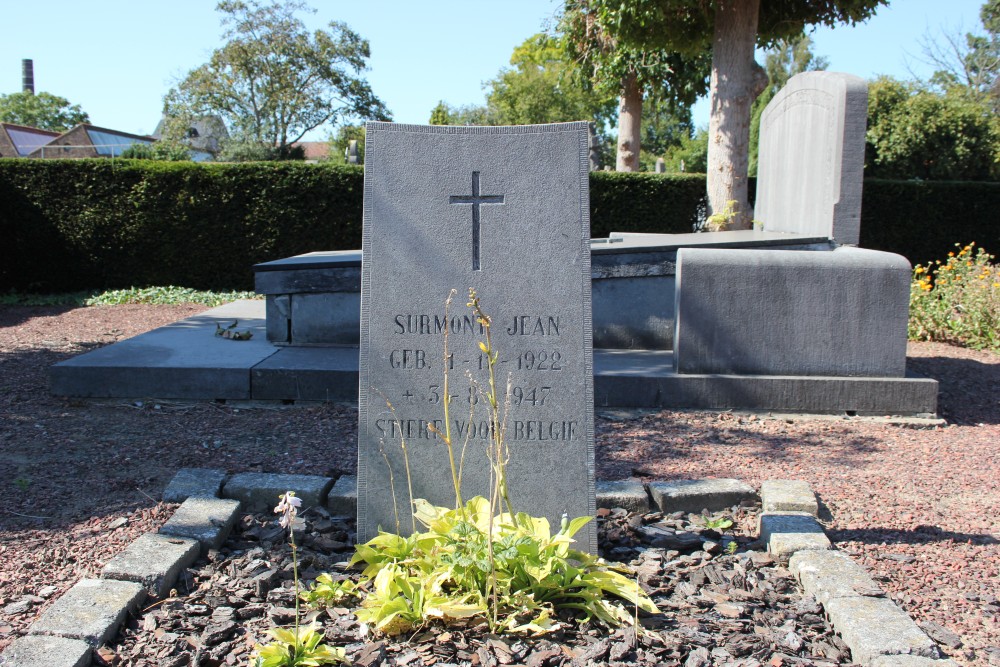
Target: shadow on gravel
[63, 461]
[918, 535]
[655, 442]
[11, 316]
[969, 391]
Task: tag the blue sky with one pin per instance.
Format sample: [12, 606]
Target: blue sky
[117, 58]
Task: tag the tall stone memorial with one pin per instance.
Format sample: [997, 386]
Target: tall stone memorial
[505, 211]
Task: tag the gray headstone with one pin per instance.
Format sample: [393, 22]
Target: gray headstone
[812, 155]
[503, 210]
[661, 166]
[352, 151]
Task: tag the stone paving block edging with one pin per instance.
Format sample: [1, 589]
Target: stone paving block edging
[877, 631]
[92, 610]
[629, 494]
[260, 491]
[695, 495]
[208, 520]
[43, 651]
[154, 560]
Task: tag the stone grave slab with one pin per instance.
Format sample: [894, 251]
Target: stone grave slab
[503, 210]
[183, 360]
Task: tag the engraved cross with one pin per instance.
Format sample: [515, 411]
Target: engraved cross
[476, 200]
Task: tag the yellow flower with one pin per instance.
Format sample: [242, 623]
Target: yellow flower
[951, 254]
[919, 269]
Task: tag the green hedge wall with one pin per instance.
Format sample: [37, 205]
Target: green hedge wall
[644, 202]
[923, 220]
[80, 224]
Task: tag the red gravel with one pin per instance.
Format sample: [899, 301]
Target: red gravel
[919, 507]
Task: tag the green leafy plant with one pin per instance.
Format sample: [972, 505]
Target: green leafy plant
[476, 562]
[166, 295]
[299, 647]
[141, 295]
[509, 570]
[957, 300]
[727, 218]
[721, 522]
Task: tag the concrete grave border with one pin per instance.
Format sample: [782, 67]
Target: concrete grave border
[877, 631]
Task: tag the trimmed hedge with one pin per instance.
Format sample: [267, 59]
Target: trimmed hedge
[923, 220]
[644, 202]
[78, 224]
[97, 224]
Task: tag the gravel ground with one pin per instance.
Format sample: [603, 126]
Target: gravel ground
[920, 508]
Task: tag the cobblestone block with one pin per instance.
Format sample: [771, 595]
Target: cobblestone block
[626, 493]
[207, 520]
[788, 532]
[92, 610]
[876, 626]
[194, 483]
[788, 495]
[260, 491]
[40, 651]
[343, 497]
[827, 575]
[154, 561]
[695, 495]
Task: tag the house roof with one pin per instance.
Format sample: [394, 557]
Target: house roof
[26, 139]
[314, 150]
[113, 142]
[105, 141]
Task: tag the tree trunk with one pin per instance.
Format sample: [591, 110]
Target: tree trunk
[736, 81]
[629, 124]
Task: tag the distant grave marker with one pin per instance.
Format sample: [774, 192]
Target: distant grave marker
[503, 210]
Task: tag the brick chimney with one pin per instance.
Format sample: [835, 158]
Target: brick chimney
[28, 76]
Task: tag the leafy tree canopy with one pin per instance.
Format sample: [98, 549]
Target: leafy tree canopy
[545, 85]
[273, 81]
[687, 25]
[969, 63]
[677, 79]
[730, 29]
[690, 155]
[917, 132]
[542, 85]
[469, 114]
[42, 110]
